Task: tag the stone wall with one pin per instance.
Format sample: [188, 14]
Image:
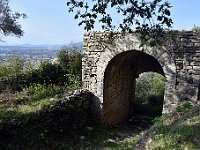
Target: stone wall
[110, 68]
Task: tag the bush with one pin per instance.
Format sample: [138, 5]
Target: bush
[39, 91]
[66, 72]
[70, 60]
[48, 73]
[12, 74]
[149, 85]
[54, 122]
[183, 107]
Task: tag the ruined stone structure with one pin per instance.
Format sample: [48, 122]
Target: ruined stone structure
[110, 68]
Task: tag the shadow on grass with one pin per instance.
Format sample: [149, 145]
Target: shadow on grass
[45, 129]
[107, 138]
[63, 126]
[6, 114]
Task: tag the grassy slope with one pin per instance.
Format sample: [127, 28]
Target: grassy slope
[35, 128]
[25, 118]
[12, 111]
[178, 131]
[44, 124]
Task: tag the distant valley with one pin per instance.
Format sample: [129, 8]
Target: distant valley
[33, 53]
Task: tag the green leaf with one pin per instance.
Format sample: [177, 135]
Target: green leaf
[68, 3]
[113, 3]
[94, 16]
[76, 16]
[159, 18]
[167, 12]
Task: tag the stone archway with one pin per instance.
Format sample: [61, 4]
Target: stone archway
[178, 58]
[119, 83]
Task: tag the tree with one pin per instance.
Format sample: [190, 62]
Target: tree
[9, 20]
[147, 17]
[196, 28]
[63, 58]
[70, 59]
[51, 73]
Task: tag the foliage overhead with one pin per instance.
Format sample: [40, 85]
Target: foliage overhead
[148, 17]
[9, 20]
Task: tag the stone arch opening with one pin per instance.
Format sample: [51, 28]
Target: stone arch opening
[119, 84]
[149, 96]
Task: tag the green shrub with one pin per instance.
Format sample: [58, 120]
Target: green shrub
[70, 60]
[48, 73]
[149, 85]
[183, 107]
[39, 91]
[66, 71]
[12, 67]
[12, 74]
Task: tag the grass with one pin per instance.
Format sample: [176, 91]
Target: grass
[29, 100]
[13, 111]
[179, 137]
[179, 131]
[100, 138]
[24, 115]
[33, 124]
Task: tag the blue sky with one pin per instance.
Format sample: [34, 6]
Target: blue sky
[49, 22]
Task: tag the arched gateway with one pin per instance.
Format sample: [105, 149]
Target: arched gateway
[110, 70]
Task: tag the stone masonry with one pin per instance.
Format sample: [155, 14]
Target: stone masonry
[110, 67]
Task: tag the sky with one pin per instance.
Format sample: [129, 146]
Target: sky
[50, 23]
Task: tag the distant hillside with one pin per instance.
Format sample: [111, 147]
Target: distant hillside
[41, 46]
[35, 53]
